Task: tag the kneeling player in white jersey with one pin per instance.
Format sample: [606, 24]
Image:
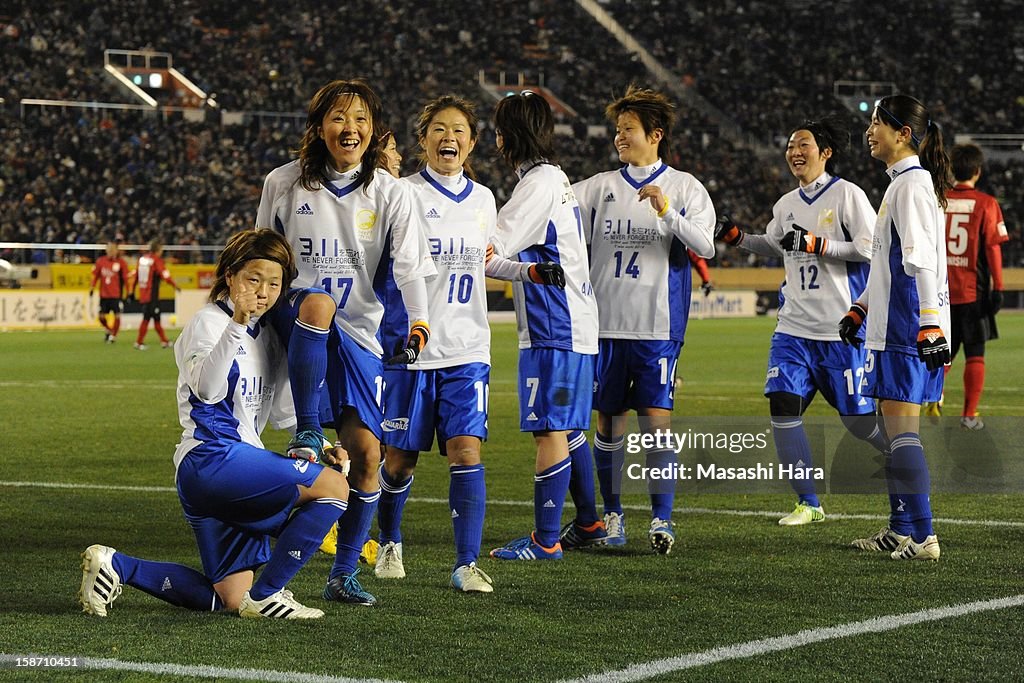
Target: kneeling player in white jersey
[235, 493]
[640, 220]
[907, 308]
[347, 220]
[557, 325]
[824, 230]
[445, 390]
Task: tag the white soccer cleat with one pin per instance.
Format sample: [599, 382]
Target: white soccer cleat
[909, 550]
[803, 513]
[100, 583]
[615, 525]
[470, 579]
[972, 423]
[884, 540]
[280, 605]
[389, 562]
[139, 347]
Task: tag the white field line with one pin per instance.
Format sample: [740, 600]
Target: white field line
[755, 648]
[529, 503]
[182, 670]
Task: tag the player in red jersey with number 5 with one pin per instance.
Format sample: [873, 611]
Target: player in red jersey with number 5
[974, 234]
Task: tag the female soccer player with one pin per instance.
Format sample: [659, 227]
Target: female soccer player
[445, 390]
[824, 230]
[557, 326]
[392, 161]
[235, 493]
[347, 220]
[908, 325]
[639, 220]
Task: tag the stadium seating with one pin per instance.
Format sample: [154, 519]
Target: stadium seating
[79, 176]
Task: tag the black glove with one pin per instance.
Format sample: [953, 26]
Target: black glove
[995, 301]
[419, 333]
[802, 241]
[707, 287]
[726, 231]
[547, 273]
[932, 346]
[850, 325]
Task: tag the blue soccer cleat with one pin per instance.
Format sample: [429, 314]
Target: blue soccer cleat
[346, 588]
[306, 445]
[662, 535]
[527, 548]
[615, 527]
[575, 536]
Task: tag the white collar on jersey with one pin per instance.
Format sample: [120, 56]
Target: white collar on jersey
[453, 183]
[817, 184]
[913, 161]
[347, 176]
[642, 172]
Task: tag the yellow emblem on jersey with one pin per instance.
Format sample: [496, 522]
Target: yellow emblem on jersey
[481, 221]
[366, 220]
[826, 219]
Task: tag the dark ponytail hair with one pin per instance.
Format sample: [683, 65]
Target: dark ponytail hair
[898, 111]
[830, 132]
[526, 126]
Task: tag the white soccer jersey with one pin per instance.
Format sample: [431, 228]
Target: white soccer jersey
[460, 218]
[541, 222]
[909, 235]
[818, 290]
[639, 266]
[342, 236]
[232, 380]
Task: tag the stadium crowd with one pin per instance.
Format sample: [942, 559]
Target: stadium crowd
[79, 176]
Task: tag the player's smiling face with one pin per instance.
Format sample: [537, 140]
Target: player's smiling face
[806, 160]
[448, 141]
[393, 156]
[346, 130]
[883, 140]
[261, 276]
[631, 142]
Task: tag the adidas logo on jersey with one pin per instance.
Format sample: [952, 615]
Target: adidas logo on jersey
[166, 585]
[297, 554]
[610, 197]
[532, 416]
[790, 217]
[304, 210]
[240, 351]
[433, 214]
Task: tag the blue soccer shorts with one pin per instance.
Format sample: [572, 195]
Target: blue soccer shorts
[555, 390]
[447, 401]
[806, 366]
[235, 497]
[355, 376]
[897, 376]
[635, 373]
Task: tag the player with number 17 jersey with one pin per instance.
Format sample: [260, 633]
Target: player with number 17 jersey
[342, 235]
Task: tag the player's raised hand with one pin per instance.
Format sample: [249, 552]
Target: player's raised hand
[800, 240]
[657, 198]
[243, 296]
[727, 231]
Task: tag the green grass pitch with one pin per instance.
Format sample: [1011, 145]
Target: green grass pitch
[91, 417]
